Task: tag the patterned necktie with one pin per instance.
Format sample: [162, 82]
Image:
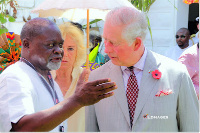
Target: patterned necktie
[132, 94]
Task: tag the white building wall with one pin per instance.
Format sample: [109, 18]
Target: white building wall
[182, 15]
[165, 20]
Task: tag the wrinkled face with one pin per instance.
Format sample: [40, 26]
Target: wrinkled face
[116, 47]
[182, 38]
[70, 49]
[46, 50]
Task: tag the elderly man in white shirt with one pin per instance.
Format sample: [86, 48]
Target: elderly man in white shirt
[30, 99]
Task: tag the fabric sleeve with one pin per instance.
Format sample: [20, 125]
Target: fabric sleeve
[188, 60]
[5, 124]
[188, 106]
[17, 97]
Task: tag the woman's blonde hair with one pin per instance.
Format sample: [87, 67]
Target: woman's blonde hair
[69, 30]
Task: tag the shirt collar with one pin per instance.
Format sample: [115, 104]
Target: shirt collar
[140, 64]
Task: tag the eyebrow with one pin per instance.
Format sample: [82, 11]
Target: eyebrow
[55, 41]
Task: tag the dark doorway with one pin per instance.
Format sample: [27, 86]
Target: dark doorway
[193, 14]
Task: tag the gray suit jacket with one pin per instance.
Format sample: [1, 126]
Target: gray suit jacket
[178, 111]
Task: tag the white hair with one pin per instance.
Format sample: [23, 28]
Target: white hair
[133, 20]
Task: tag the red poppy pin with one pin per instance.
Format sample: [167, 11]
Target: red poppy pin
[156, 74]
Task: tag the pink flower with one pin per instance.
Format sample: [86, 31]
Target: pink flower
[156, 74]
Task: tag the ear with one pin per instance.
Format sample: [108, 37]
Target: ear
[25, 43]
[137, 43]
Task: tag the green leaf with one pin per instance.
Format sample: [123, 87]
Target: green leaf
[144, 5]
[11, 18]
[1, 15]
[93, 21]
[140, 4]
[2, 19]
[3, 30]
[2, 1]
[149, 27]
[149, 5]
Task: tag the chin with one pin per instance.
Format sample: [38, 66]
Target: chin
[181, 46]
[116, 63]
[53, 66]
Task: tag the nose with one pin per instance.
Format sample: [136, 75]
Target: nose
[58, 50]
[108, 47]
[66, 53]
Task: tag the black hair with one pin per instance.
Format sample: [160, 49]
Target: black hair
[77, 25]
[188, 32]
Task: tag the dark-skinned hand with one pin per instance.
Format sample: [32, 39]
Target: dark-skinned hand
[88, 93]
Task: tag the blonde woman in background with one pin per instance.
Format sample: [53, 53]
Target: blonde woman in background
[68, 74]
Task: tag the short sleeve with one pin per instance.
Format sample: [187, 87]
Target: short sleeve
[17, 99]
[5, 124]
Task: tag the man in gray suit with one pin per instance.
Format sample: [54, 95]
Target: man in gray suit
[156, 96]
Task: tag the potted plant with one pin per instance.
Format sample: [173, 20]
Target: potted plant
[5, 16]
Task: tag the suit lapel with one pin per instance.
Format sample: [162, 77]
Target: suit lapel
[120, 94]
[147, 84]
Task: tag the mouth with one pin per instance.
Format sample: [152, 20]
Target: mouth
[56, 59]
[64, 61]
[111, 57]
[180, 43]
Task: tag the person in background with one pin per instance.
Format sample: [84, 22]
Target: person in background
[182, 40]
[74, 57]
[68, 74]
[95, 39]
[30, 99]
[101, 50]
[155, 93]
[106, 58]
[190, 58]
